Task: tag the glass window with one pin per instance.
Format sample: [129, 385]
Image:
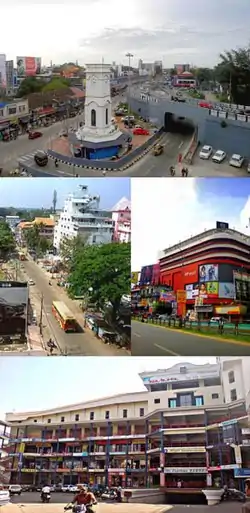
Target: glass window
[199, 401]
[91, 415]
[185, 399]
[125, 414]
[157, 401]
[215, 396]
[141, 412]
[77, 417]
[93, 117]
[231, 377]
[62, 419]
[106, 414]
[233, 395]
[172, 403]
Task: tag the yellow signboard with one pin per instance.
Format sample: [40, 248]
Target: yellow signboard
[174, 450]
[134, 277]
[22, 448]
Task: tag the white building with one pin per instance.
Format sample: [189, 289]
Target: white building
[121, 215]
[82, 216]
[12, 221]
[98, 125]
[235, 376]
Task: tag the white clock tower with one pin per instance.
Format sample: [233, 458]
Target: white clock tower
[98, 125]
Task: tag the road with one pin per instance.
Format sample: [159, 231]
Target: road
[78, 344]
[160, 341]
[35, 498]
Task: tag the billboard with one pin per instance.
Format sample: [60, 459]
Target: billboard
[208, 272]
[146, 275]
[227, 290]
[222, 226]
[156, 274]
[3, 79]
[28, 66]
[13, 308]
[134, 277]
[209, 290]
[242, 286]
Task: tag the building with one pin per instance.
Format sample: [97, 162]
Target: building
[45, 225]
[121, 216]
[100, 137]
[213, 267]
[12, 221]
[184, 79]
[10, 77]
[82, 216]
[183, 426]
[182, 68]
[12, 116]
[4, 457]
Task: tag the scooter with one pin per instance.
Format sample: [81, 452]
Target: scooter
[232, 494]
[45, 497]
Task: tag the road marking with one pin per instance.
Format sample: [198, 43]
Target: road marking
[180, 145]
[136, 335]
[172, 353]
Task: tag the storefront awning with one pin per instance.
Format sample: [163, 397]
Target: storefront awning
[231, 310]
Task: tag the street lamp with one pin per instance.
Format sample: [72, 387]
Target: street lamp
[129, 55]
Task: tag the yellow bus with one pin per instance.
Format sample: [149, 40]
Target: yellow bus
[64, 316]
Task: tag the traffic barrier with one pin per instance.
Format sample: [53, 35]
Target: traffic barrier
[202, 326]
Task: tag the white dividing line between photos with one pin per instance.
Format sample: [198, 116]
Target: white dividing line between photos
[171, 353]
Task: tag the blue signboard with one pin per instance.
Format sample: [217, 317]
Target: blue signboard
[242, 472]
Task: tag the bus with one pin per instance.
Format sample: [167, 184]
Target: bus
[64, 316]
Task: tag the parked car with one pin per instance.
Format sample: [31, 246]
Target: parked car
[31, 282]
[236, 160]
[206, 152]
[140, 131]
[205, 105]
[219, 156]
[4, 497]
[35, 135]
[72, 488]
[15, 489]
[216, 320]
[163, 317]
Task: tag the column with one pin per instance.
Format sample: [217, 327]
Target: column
[162, 454]
[107, 448]
[146, 454]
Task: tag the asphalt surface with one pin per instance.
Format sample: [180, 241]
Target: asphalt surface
[78, 344]
[149, 340]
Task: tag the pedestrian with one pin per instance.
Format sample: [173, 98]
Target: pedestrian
[56, 163]
[237, 327]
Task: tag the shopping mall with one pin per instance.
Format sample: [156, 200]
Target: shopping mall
[189, 424]
[209, 272]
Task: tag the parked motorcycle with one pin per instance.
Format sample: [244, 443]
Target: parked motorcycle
[109, 495]
[232, 494]
[45, 497]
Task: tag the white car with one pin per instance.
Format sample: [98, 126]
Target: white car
[72, 488]
[219, 156]
[15, 489]
[206, 152]
[4, 497]
[65, 488]
[31, 282]
[236, 160]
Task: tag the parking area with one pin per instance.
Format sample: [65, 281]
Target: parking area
[210, 168]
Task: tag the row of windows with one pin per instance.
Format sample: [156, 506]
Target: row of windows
[107, 415]
[14, 110]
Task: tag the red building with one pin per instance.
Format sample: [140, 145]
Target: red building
[214, 265]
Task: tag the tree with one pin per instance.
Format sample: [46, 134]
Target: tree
[36, 241]
[7, 242]
[69, 247]
[30, 85]
[233, 73]
[104, 269]
[56, 84]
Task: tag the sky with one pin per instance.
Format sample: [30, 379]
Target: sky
[19, 192]
[166, 211]
[175, 31]
[33, 383]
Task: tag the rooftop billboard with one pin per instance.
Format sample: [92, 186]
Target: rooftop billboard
[13, 309]
[28, 66]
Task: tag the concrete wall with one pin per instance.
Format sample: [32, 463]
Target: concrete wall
[235, 138]
[146, 496]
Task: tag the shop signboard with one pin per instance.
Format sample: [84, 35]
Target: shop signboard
[185, 470]
[208, 273]
[28, 66]
[134, 278]
[227, 290]
[242, 472]
[175, 450]
[205, 290]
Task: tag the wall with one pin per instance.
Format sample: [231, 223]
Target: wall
[172, 394]
[147, 496]
[232, 139]
[236, 366]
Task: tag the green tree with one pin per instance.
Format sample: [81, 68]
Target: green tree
[30, 85]
[69, 247]
[36, 241]
[106, 270]
[7, 241]
[233, 73]
[56, 84]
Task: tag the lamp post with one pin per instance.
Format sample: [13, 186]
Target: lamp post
[129, 55]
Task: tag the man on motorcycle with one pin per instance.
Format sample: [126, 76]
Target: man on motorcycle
[45, 491]
[85, 498]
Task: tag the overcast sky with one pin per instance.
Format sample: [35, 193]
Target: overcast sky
[166, 211]
[175, 31]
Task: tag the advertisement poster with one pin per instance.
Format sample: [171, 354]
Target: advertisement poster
[13, 308]
[207, 290]
[227, 290]
[28, 66]
[156, 274]
[242, 286]
[167, 297]
[209, 272]
[3, 79]
[146, 275]
[134, 278]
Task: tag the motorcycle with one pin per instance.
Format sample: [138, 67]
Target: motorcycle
[232, 494]
[76, 508]
[172, 171]
[45, 497]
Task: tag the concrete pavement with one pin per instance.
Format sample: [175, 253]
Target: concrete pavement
[77, 344]
[148, 340]
[101, 508]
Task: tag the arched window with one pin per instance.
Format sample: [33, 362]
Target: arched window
[107, 116]
[93, 117]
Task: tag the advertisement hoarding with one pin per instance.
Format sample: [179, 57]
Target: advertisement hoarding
[242, 286]
[227, 290]
[209, 290]
[3, 79]
[13, 309]
[156, 274]
[208, 272]
[146, 275]
[134, 277]
[28, 66]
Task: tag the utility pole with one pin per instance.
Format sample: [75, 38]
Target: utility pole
[129, 55]
[41, 316]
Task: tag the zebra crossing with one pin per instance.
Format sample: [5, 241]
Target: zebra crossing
[27, 159]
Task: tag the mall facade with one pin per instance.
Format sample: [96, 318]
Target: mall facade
[210, 271]
[189, 424]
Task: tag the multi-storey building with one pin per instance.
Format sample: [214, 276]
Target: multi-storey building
[4, 457]
[82, 216]
[45, 226]
[121, 215]
[190, 424]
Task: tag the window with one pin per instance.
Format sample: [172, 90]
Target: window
[1, 112]
[157, 401]
[233, 395]
[106, 414]
[215, 396]
[62, 419]
[77, 416]
[49, 421]
[172, 403]
[231, 377]
[35, 420]
[12, 110]
[91, 415]
[185, 399]
[141, 412]
[199, 401]
[93, 117]
[107, 116]
[183, 370]
[125, 414]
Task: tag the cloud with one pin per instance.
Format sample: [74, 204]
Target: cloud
[167, 211]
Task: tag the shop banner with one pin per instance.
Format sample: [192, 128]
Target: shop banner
[134, 278]
[242, 472]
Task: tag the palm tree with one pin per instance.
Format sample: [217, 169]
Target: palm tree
[233, 72]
